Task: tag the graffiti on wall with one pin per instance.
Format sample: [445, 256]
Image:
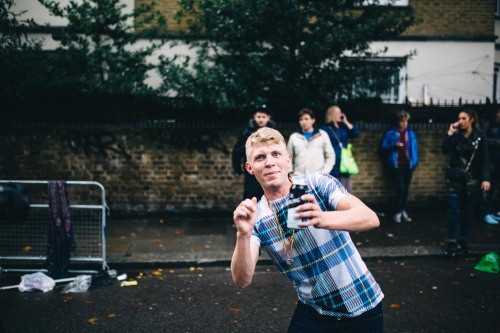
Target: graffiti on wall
[105, 143]
[101, 143]
[195, 141]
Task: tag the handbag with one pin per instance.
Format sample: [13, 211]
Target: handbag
[348, 164]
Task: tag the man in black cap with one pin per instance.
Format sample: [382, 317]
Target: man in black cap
[261, 118]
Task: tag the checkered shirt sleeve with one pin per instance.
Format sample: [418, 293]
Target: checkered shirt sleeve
[327, 270]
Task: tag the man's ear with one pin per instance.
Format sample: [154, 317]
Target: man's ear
[249, 168]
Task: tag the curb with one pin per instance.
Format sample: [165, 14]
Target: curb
[224, 258]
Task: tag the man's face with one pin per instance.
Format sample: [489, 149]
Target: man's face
[306, 123]
[261, 118]
[269, 162]
[403, 124]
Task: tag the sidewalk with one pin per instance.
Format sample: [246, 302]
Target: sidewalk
[209, 238]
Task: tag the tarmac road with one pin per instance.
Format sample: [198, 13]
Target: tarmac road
[422, 294]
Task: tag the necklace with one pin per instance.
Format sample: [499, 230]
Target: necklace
[289, 260]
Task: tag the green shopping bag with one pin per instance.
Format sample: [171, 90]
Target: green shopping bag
[348, 164]
[489, 263]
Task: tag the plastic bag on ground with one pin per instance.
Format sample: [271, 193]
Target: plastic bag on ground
[36, 281]
[80, 285]
[490, 263]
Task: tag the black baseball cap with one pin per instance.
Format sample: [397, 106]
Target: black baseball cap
[262, 108]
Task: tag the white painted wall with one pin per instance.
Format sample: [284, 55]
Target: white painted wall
[41, 15]
[497, 53]
[447, 70]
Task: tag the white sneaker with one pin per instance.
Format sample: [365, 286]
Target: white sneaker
[406, 217]
[490, 219]
[397, 217]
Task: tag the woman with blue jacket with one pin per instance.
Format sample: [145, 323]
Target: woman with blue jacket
[401, 148]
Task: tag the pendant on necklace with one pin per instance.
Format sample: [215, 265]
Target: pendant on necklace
[289, 261]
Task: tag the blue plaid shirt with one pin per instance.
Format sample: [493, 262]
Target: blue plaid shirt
[327, 270]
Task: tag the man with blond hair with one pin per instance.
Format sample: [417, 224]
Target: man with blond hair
[336, 291]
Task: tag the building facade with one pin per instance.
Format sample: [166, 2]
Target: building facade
[453, 45]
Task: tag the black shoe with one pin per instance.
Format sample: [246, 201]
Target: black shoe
[463, 246]
[451, 249]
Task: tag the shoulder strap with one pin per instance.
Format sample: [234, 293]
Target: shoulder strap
[476, 144]
[336, 136]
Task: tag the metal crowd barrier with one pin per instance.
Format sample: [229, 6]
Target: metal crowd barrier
[23, 242]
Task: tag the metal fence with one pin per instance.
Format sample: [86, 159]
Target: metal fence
[23, 242]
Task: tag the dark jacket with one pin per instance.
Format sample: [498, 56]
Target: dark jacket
[239, 156]
[462, 149]
[493, 136]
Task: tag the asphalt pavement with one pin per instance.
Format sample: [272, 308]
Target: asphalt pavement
[178, 266]
[422, 294]
[194, 239]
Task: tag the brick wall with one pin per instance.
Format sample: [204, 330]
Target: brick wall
[449, 18]
[156, 170]
[169, 9]
[444, 18]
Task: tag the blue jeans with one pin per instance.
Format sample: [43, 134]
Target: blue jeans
[461, 203]
[306, 320]
[402, 178]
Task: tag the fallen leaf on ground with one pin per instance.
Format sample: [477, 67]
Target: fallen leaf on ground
[26, 249]
[92, 321]
[395, 306]
[111, 315]
[234, 310]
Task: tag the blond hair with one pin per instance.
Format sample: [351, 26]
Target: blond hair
[264, 135]
[329, 117]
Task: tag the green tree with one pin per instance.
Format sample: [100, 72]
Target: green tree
[96, 53]
[16, 55]
[99, 67]
[289, 53]
[11, 28]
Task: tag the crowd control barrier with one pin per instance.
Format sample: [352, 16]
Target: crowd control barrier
[24, 233]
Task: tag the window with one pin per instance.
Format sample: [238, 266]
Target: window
[382, 2]
[378, 77]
